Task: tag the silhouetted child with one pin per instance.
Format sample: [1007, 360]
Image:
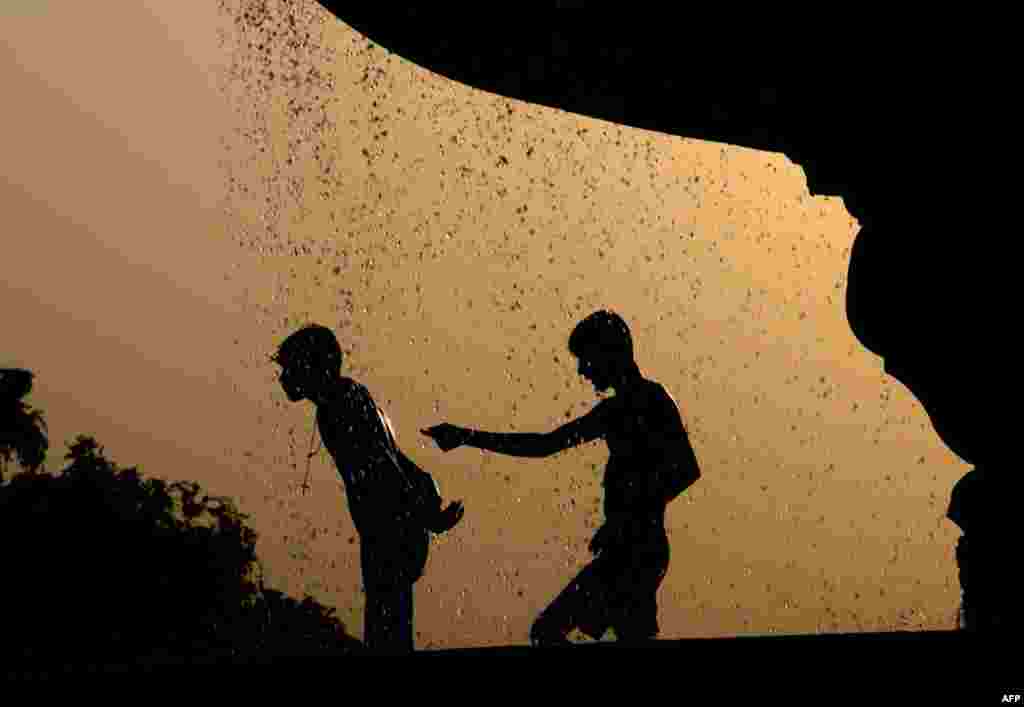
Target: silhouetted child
[394, 504]
[651, 462]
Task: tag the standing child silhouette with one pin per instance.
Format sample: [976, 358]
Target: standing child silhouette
[650, 463]
[394, 504]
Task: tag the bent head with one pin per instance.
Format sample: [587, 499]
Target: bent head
[310, 359]
[603, 347]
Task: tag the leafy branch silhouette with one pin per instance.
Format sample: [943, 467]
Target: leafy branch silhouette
[22, 429]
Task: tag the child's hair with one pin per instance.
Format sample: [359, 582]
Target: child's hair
[312, 346]
[602, 333]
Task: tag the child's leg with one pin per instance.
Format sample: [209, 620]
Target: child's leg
[392, 619]
[400, 613]
[373, 620]
[577, 606]
[388, 617]
[388, 620]
[637, 627]
[635, 592]
[634, 608]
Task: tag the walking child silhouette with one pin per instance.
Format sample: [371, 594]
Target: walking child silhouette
[651, 462]
[395, 505]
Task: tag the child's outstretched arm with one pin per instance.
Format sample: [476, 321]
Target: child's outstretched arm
[525, 444]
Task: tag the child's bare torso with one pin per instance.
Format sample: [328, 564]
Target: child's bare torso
[641, 421]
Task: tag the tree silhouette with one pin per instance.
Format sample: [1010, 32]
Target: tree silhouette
[22, 429]
[105, 566]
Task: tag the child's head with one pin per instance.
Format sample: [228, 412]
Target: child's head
[604, 348]
[310, 359]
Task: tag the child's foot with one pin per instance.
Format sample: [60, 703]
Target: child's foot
[544, 636]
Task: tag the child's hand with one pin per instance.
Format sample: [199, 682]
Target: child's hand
[448, 518]
[448, 437]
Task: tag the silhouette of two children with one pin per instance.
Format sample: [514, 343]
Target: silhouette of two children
[394, 504]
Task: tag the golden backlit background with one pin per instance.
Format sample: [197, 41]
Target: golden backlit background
[184, 184]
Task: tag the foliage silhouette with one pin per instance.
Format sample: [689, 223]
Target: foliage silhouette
[105, 566]
[22, 429]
